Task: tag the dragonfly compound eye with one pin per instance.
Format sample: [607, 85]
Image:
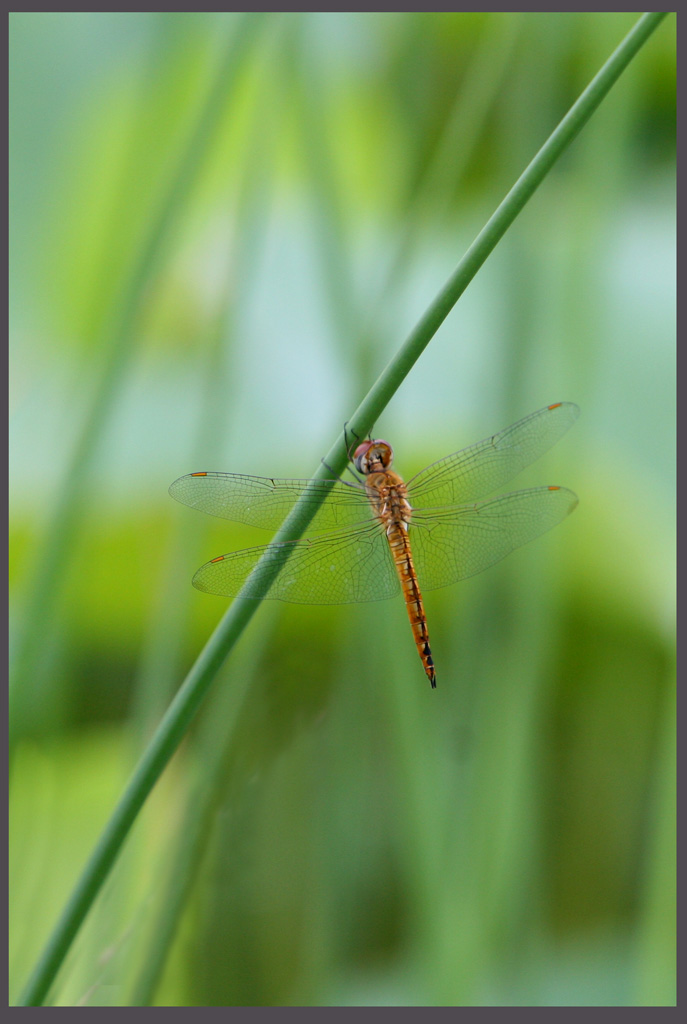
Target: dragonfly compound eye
[370, 452]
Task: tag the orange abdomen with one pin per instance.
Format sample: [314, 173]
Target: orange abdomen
[403, 560]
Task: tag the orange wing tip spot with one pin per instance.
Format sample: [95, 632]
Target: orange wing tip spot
[220, 558]
[556, 405]
[554, 488]
[197, 474]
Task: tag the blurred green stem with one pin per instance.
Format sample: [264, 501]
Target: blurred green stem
[184, 706]
[214, 738]
[120, 343]
[656, 979]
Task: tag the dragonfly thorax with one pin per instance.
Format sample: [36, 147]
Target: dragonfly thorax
[373, 457]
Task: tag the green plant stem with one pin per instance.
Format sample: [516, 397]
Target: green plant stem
[215, 739]
[184, 706]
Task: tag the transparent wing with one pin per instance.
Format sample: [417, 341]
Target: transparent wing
[263, 502]
[449, 545]
[478, 470]
[354, 565]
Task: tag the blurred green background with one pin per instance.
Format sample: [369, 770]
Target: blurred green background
[222, 226]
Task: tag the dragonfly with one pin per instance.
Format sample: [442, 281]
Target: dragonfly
[370, 539]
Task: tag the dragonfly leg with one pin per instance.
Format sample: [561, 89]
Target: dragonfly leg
[353, 473]
[349, 447]
[327, 466]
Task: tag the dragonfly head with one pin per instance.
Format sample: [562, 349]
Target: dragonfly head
[372, 457]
